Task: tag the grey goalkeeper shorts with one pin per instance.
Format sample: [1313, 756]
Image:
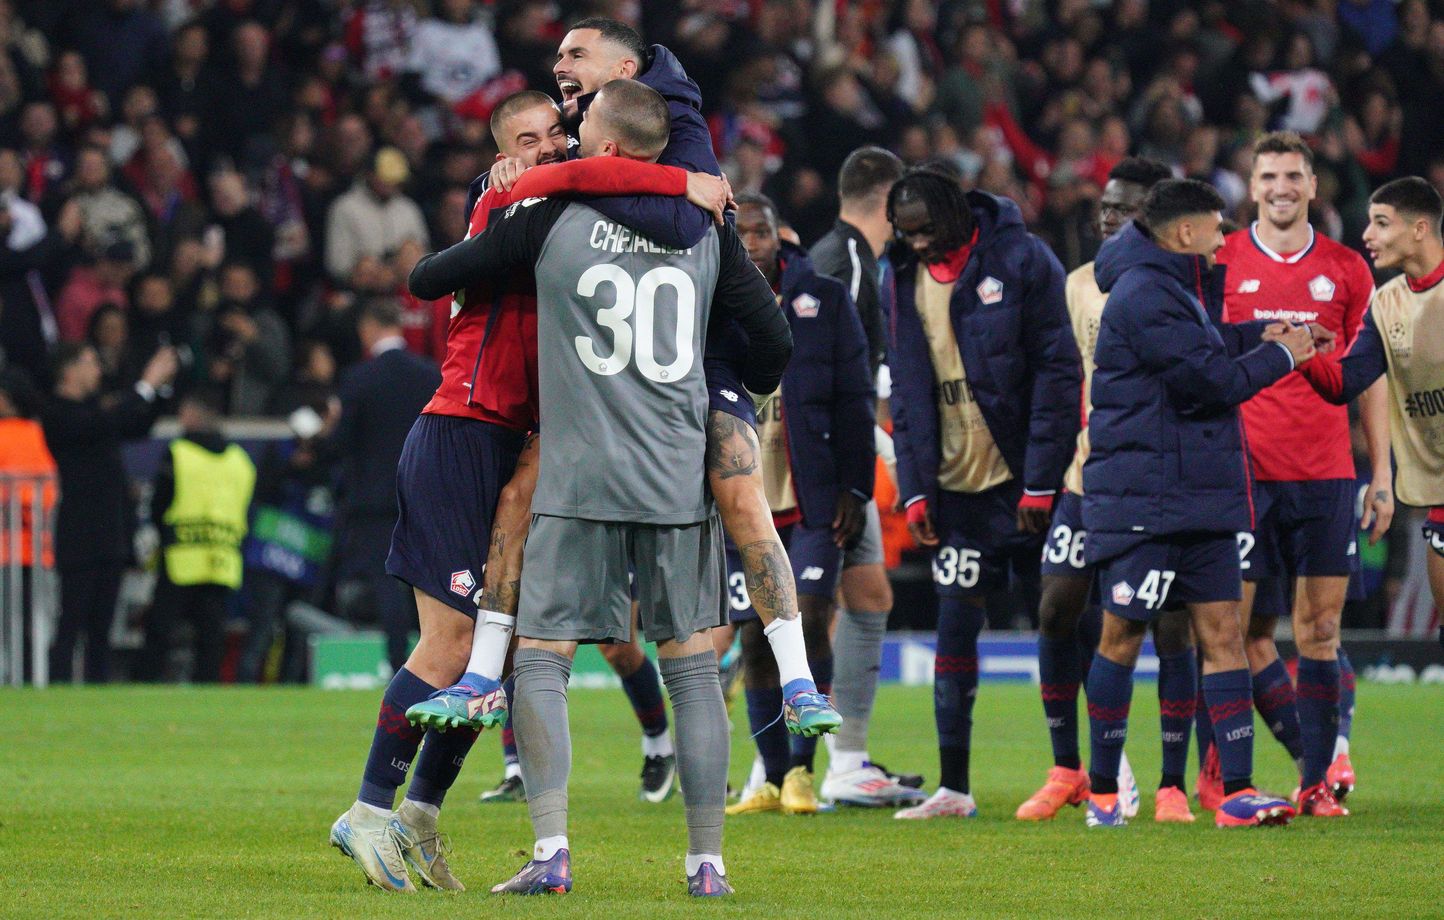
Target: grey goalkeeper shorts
[576, 579]
[869, 546]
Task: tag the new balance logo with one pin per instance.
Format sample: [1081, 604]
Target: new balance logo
[811, 573]
[728, 395]
[1248, 286]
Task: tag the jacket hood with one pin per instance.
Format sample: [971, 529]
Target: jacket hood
[665, 74]
[996, 218]
[1134, 247]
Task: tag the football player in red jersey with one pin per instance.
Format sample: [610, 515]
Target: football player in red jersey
[1304, 488]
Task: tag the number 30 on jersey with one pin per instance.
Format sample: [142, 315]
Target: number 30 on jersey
[637, 301]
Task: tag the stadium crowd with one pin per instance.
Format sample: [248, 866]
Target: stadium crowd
[242, 180]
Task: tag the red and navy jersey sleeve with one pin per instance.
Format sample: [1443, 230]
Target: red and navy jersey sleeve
[1340, 381]
[513, 238]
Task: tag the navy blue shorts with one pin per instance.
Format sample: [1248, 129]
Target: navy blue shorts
[725, 392]
[1305, 528]
[1063, 550]
[1140, 581]
[1272, 597]
[1434, 529]
[816, 566]
[979, 543]
[448, 484]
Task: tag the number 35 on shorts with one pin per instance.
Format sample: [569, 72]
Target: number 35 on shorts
[956, 565]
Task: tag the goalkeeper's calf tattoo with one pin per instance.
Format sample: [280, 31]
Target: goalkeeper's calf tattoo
[769, 579]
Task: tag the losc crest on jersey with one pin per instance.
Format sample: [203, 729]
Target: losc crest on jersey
[805, 306]
[990, 290]
[1321, 288]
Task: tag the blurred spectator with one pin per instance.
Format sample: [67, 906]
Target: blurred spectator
[109, 335]
[247, 102]
[121, 40]
[93, 522]
[201, 498]
[140, 103]
[246, 344]
[79, 104]
[47, 163]
[454, 52]
[184, 84]
[239, 232]
[29, 255]
[379, 399]
[90, 286]
[373, 218]
[110, 215]
[379, 35]
[155, 322]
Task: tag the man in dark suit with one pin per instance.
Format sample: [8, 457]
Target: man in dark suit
[93, 521]
[380, 399]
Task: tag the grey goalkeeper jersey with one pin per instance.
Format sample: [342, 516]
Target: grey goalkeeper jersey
[621, 322]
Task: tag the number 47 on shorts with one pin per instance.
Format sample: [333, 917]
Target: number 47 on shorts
[1153, 592]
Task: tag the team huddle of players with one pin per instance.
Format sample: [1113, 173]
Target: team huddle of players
[1165, 428]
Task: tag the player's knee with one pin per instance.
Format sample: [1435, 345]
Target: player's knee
[1171, 635]
[514, 501]
[1055, 620]
[743, 509]
[869, 590]
[1317, 633]
[624, 657]
[1261, 628]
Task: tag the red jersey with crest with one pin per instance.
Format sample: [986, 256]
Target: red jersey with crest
[1293, 434]
[490, 371]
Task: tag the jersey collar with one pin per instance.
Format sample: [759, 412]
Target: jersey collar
[1420, 285]
[1287, 260]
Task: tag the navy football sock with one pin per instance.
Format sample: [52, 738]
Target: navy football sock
[1110, 694]
[436, 769]
[764, 708]
[1060, 672]
[1318, 697]
[1346, 695]
[644, 689]
[804, 749]
[1273, 694]
[1230, 708]
[394, 744]
[955, 686]
[1202, 727]
[508, 737]
[1177, 683]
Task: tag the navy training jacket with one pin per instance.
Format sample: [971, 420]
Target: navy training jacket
[1011, 322]
[1167, 444]
[826, 391]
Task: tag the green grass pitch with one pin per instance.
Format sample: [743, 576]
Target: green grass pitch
[178, 802]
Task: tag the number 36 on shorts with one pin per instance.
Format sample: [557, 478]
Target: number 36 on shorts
[955, 565]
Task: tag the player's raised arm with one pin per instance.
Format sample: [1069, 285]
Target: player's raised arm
[744, 295]
[513, 240]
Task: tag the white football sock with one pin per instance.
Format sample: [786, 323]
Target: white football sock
[1341, 746]
[846, 761]
[383, 812]
[426, 807]
[659, 745]
[547, 847]
[489, 642]
[695, 861]
[789, 648]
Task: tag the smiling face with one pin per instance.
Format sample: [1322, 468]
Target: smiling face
[1282, 185]
[586, 61]
[535, 134]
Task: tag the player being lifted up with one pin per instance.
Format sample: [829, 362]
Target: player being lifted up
[1304, 488]
[592, 53]
[1065, 641]
[474, 425]
[1166, 481]
[817, 464]
[1403, 338]
[623, 404]
[985, 394]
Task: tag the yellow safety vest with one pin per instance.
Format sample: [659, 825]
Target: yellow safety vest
[208, 514]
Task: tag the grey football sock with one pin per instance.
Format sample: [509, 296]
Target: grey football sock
[857, 664]
[703, 745]
[543, 736]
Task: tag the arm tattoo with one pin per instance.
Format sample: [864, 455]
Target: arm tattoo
[769, 579]
[498, 592]
[731, 446]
